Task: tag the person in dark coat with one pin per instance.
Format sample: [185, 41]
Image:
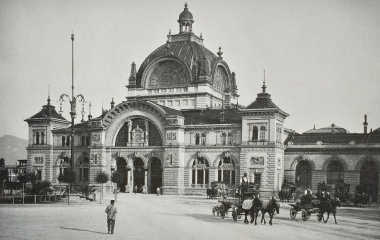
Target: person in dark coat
[111, 216]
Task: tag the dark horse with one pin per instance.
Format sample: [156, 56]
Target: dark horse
[270, 209]
[329, 207]
[256, 207]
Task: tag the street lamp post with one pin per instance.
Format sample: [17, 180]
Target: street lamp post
[73, 103]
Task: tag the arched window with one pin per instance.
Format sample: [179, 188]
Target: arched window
[278, 134]
[63, 141]
[84, 169]
[226, 171]
[335, 172]
[224, 140]
[122, 136]
[42, 138]
[68, 141]
[303, 174]
[88, 141]
[37, 138]
[197, 138]
[200, 173]
[203, 138]
[262, 133]
[255, 134]
[230, 141]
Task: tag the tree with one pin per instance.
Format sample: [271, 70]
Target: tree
[3, 174]
[40, 187]
[117, 178]
[87, 190]
[101, 177]
[69, 176]
[23, 178]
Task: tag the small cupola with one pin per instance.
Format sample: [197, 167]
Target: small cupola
[185, 21]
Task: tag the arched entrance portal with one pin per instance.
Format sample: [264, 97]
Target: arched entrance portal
[121, 166]
[369, 177]
[155, 175]
[303, 174]
[139, 174]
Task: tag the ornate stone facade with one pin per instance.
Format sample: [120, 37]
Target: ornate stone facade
[180, 128]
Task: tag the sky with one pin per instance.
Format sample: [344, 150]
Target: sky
[321, 58]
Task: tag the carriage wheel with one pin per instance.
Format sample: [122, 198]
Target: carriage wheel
[293, 213]
[305, 215]
[234, 215]
[319, 216]
[222, 211]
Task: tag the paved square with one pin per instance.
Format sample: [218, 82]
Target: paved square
[173, 217]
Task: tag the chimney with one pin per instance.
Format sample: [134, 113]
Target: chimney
[365, 124]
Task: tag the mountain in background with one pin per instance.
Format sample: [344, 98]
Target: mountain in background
[12, 149]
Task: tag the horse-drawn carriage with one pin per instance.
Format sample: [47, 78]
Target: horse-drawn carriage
[218, 189]
[307, 207]
[363, 196]
[320, 205]
[287, 192]
[342, 191]
[231, 200]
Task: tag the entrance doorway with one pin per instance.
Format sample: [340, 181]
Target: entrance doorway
[369, 178]
[121, 167]
[139, 174]
[155, 175]
[303, 174]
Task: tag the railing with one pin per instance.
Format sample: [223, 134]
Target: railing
[258, 143]
[18, 199]
[199, 185]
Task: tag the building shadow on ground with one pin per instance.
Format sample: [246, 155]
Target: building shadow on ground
[82, 230]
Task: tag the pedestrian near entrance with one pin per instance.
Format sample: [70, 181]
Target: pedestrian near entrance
[135, 189]
[158, 191]
[111, 216]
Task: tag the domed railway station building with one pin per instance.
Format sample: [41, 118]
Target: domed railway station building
[180, 127]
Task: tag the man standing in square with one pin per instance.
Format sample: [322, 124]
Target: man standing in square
[111, 216]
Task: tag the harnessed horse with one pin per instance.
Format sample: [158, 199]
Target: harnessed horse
[270, 208]
[329, 207]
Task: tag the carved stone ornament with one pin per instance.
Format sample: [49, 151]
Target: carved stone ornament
[227, 154]
[170, 159]
[257, 160]
[279, 162]
[200, 165]
[171, 136]
[95, 137]
[227, 165]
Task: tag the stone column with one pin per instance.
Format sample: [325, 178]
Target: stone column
[204, 177]
[145, 187]
[128, 177]
[129, 130]
[196, 178]
[221, 174]
[146, 133]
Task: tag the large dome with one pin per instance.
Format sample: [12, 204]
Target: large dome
[190, 54]
[182, 62]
